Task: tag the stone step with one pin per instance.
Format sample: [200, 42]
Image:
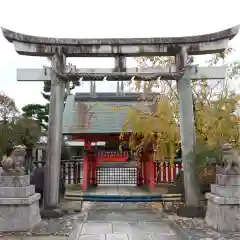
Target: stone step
[19, 201]
[223, 214]
[222, 200]
[228, 180]
[17, 192]
[226, 191]
[221, 170]
[19, 208]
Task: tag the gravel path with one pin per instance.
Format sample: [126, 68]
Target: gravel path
[194, 228]
[197, 229]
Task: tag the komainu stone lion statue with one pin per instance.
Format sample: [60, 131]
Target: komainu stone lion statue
[231, 159]
[231, 162]
[12, 162]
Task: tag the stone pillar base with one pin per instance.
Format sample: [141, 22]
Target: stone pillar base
[19, 208]
[223, 209]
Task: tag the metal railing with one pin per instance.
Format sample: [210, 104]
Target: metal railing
[166, 173]
[70, 170]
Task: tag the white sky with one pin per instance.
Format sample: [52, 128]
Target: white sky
[99, 19]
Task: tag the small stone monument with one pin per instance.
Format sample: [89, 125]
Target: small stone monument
[223, 210]
[19, 208]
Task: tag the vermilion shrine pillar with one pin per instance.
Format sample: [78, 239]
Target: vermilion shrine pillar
[148, 171]
[86, 165]
[140, 175]
[93, 168]
[145, 175]
[151, 174]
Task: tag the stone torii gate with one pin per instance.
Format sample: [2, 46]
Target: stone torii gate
[59, 75]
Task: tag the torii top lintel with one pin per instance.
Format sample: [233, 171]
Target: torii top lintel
[76, 47]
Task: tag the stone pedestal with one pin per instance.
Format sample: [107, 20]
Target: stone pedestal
[223, 210]
[19, 208]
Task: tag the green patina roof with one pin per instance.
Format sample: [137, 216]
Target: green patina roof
[84, 113]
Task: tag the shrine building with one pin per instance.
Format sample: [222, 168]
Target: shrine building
[89, 120]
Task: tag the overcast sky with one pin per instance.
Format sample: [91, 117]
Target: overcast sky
[99, 19]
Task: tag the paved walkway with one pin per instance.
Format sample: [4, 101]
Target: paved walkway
[34, 238]
[116, 221]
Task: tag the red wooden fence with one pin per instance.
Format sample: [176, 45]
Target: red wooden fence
[165, 173]
[71, 171]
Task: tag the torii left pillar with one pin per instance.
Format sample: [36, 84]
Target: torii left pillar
[52, 167]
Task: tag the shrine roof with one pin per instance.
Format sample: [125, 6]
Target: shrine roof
[86, 114]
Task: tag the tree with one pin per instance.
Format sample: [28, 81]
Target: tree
[5, 138]
[156, 125]
[14, 128]
[8, 109]
[215, 105]
[8, 113]
[215, 121]
[37, 112]
[208, 95]
[26, 131]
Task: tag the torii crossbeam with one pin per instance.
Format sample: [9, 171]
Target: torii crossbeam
[111, 47]
[109, 74]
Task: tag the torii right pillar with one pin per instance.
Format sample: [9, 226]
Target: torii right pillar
[191, 208]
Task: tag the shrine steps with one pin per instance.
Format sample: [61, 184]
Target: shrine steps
[121, 194]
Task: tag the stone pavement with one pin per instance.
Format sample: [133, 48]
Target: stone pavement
[104, 221]
[117, 221]
[33, 238]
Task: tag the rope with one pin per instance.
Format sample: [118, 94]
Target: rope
[122, 76]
